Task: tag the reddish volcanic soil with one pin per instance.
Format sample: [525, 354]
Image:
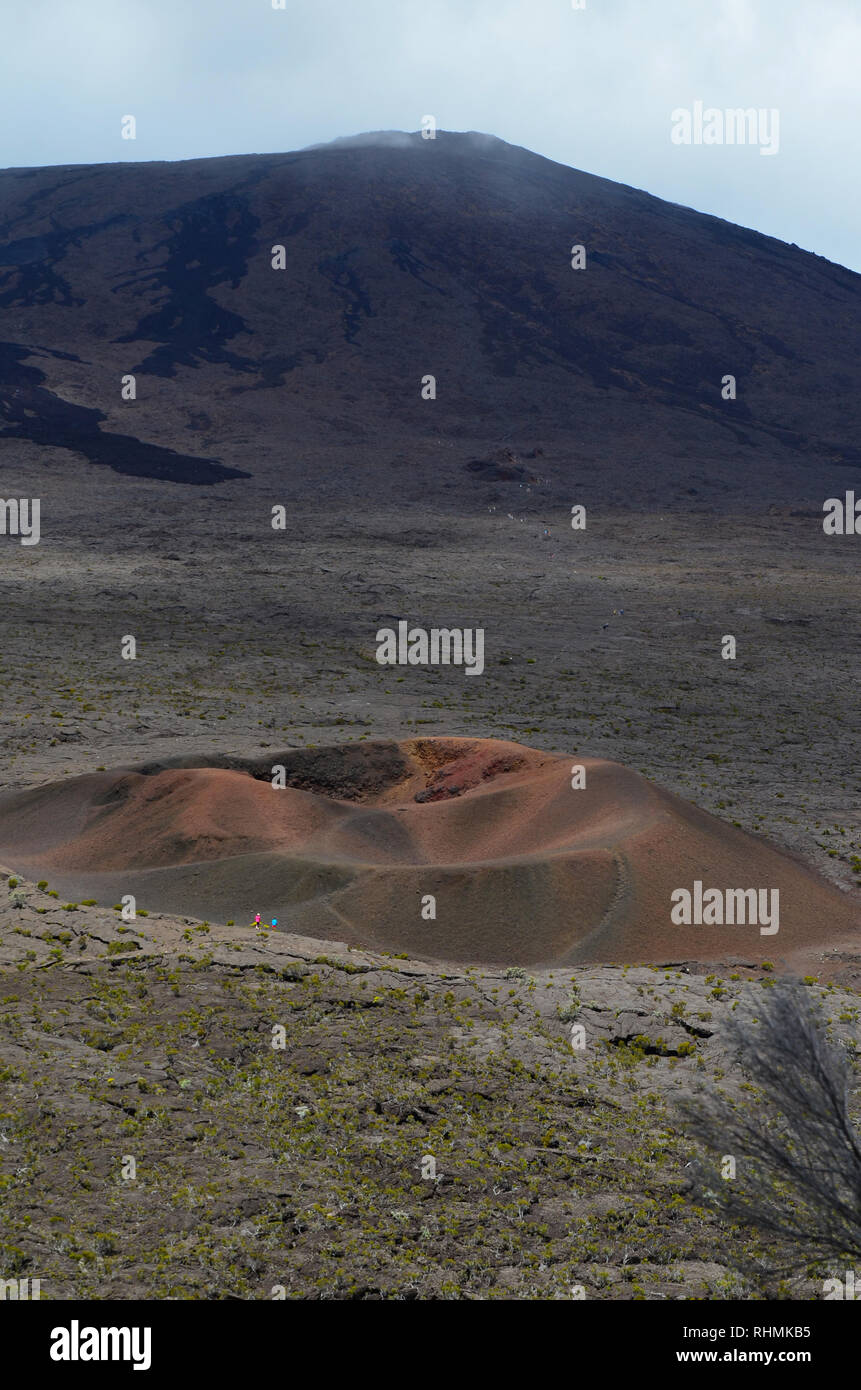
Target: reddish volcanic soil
[524, 868]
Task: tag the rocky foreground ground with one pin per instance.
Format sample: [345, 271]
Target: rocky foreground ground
[199, 1112]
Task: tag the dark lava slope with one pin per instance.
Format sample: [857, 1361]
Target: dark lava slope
[407, 258]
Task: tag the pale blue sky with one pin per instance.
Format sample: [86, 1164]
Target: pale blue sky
[592, 88]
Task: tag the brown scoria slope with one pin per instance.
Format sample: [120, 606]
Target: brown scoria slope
[524, 868]
[406, 258]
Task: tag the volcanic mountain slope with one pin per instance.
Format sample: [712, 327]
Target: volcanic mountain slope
[523, 867]
[405, 258]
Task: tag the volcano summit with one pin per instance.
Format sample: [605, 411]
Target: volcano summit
[324, 286]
